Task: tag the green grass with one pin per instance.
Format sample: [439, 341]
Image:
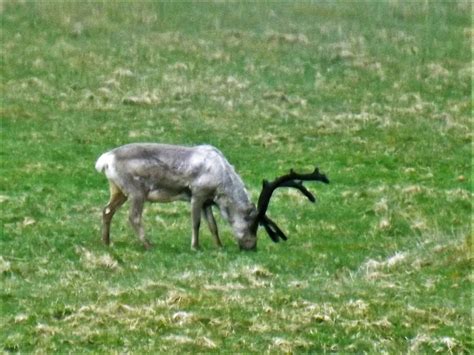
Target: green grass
[377, 94]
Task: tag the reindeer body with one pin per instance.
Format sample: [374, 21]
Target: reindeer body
[201, 175]
[164, 173]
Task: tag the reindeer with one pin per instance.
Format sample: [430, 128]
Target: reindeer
[201, 175]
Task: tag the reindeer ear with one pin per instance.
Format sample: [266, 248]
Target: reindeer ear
[251, 213]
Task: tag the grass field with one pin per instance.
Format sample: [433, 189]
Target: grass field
[377, 94]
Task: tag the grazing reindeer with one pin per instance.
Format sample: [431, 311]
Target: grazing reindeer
[202, 175]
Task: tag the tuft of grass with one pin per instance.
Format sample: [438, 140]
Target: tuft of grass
[377, 94]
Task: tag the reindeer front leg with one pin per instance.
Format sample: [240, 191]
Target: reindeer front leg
[196, 210]
[211, 222]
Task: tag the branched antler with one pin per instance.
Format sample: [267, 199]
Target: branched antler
[293, 180]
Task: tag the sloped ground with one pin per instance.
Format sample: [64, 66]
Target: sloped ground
[377, 94]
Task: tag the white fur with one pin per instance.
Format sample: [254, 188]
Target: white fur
[106, 164]
[104, 161]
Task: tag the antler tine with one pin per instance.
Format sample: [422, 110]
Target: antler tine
[272, 229]
[314, 176]
[299, 185]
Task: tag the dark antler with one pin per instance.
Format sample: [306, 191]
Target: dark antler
[292, 179]
[274, 232]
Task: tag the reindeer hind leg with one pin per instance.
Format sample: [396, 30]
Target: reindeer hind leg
[117, 199]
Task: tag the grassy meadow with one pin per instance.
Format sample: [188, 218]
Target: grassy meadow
[375, 93]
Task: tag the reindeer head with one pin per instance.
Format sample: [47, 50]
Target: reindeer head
[292, 179]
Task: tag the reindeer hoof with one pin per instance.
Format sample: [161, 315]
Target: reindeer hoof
[148, 245]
